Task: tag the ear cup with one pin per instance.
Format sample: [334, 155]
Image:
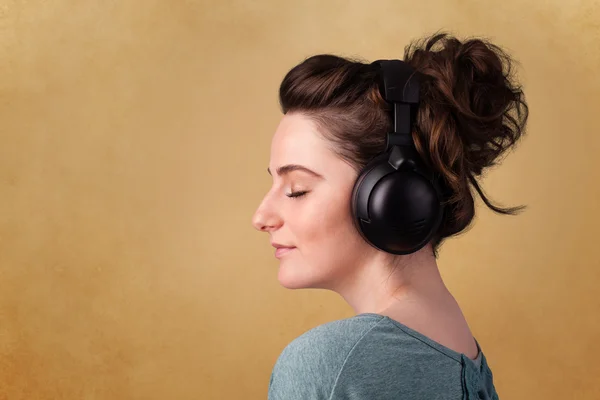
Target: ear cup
[396, 205]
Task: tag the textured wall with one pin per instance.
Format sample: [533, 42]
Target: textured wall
[134, 138]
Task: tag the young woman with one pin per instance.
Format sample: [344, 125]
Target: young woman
[409, 338]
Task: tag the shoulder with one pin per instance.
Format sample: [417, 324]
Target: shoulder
[333, 335]
[309, 366]
[361, 358]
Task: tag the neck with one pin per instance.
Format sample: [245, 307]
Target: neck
[386, 283]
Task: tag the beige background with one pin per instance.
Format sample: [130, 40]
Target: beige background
[134, 141]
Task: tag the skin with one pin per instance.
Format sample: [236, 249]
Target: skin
[330, 254]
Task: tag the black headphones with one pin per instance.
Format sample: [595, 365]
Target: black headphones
[397, 201]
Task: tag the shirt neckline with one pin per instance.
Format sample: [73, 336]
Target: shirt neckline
[432, 343]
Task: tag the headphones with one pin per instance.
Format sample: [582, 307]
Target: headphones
[396, 200]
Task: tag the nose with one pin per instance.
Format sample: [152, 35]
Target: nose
[265, 218]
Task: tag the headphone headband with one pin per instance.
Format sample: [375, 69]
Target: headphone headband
[399, 86]
[399, 82]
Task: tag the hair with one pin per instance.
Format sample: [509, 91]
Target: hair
[471, 112]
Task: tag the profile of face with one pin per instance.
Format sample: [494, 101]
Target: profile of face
[308, 208]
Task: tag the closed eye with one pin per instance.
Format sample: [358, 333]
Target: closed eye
[297, 194]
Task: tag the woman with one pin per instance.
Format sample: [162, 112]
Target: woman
[409, 338]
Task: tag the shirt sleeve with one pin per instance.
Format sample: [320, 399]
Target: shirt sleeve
[303, 371]
[312, 365]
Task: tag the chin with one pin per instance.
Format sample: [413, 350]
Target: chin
[290, 280]
[293, 276]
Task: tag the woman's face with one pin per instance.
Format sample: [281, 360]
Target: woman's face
[316, 223]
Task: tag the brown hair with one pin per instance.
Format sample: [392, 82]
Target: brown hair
[471, 112]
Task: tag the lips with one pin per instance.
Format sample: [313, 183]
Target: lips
[281, 251]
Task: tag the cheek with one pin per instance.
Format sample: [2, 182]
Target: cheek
[327, 237]
[321, 221]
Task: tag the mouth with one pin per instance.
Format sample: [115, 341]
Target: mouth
[281, 251]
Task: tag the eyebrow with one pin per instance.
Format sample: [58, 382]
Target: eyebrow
[286, 169]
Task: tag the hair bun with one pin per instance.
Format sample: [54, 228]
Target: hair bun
[471, 113]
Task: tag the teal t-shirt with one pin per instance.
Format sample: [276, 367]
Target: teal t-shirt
[371, 356]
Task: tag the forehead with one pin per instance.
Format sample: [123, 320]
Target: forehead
[297, 141]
